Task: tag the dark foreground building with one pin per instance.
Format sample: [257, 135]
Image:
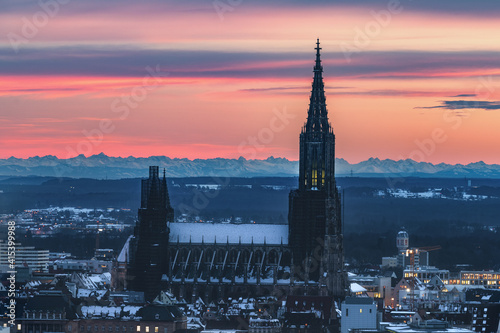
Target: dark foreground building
[55, 311]
[148, 258]
[214, 261]
[314, 219]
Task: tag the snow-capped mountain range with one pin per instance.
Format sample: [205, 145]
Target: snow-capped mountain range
[102, 166]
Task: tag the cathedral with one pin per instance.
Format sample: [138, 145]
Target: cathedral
[214, 261]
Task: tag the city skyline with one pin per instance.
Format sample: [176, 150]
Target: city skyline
[210, 79]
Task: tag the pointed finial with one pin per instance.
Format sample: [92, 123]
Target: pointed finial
[318, 56]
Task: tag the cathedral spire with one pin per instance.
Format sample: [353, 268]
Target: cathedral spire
[317, 141]
[317, 117]
[314, 215]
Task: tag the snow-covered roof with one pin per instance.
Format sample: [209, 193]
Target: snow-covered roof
[88, 292]
[124, 255]
[274, 234]
[93, 282]
[96, 311]
[357, 288]
[30, 284]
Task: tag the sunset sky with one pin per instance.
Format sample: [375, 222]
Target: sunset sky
[229, 78]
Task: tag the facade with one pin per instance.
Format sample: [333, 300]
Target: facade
[264, 325]
[358, 313]
[426, 273]
[214, 261]
[29, 256]
[488, 279]
[389, 262]
[485, 317]
[310, 314]
[53, 311]
[50, 311]
[378, 287]
[413, 257]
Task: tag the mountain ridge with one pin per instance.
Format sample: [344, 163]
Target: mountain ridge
[102, 166]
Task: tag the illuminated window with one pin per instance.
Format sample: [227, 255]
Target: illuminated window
[138, 328]
[147, 329]
[156, 329]
[18, 327]
[360, 310]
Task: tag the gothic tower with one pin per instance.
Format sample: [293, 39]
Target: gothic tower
[315, 228]
[149, 245]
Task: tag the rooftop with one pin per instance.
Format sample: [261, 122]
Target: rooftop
[271, 234]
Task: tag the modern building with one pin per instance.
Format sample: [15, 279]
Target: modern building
[358, 313]
[213, 261]
[488, 279]
[413, 257]
[426, 273]
[25, 256]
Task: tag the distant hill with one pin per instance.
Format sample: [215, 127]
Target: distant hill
[102, 166]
